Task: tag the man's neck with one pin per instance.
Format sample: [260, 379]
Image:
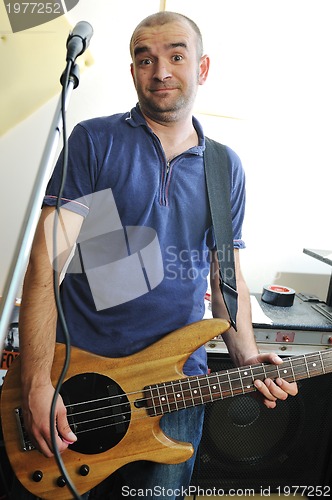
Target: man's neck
[176, 136]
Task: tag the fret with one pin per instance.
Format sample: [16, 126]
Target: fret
[164, 398]
[305, 361]
[156, 401]
[210, 391]
[240, 377]
[236, 382]
[299, 368]
[322, 362]
[177, 395]
[252, 373]
[200, 389]
[155, 405]
[291, 365]
[284, 370]
[184, 392]
[219, 391]
[247, 380]
[187, 391]
[208, 387]
[260, 372]
[268, 371]
[191, 392]
[159, 405]
[171, 396]
[196, 390]
[314, 365]
[224, 384]
[230, 383]
[264, 370]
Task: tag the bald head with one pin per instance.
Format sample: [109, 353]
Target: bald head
[162, 18]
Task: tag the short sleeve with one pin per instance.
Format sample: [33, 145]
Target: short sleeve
[80, 176]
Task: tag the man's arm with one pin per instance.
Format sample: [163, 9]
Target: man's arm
[37, 328]
[241, 344]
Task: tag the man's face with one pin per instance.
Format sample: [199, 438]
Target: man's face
[166, 70]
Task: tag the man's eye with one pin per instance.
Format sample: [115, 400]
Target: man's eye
[177, 58]
[145, 62]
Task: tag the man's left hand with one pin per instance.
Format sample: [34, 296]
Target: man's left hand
[272, 390]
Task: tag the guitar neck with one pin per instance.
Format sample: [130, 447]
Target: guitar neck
[193, 391]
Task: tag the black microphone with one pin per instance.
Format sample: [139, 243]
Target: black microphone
[78, 40]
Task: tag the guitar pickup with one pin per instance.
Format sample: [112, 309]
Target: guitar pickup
[26, 443]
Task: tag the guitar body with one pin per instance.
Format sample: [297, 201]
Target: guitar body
[135, 435]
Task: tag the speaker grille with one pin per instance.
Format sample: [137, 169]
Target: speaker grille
[246, 445]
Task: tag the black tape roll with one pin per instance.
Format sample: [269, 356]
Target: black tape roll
[278, 295]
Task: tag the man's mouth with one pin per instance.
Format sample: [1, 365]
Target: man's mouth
[163, 89]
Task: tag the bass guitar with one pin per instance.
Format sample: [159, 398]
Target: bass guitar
[114, 406]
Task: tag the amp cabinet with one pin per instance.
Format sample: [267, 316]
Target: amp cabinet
[246, 445]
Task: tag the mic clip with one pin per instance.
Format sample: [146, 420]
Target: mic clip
[74, 76]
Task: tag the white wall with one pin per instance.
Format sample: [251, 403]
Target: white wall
[271, 68]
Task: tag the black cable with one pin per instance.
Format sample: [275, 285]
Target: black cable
[56, 285]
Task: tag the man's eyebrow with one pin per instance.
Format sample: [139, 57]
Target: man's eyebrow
[178, 44]
[140, 50]
[144, 49]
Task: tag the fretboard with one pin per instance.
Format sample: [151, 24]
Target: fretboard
[197, 390]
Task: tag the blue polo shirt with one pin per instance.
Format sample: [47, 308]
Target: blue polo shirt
[149, 223]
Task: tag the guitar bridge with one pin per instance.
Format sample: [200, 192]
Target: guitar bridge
[26, 443]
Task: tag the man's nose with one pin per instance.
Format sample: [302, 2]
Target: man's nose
[162, 70]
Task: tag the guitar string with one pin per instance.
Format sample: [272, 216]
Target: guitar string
[198, 379]
[174, 405]
[145, 415]
[124, 421]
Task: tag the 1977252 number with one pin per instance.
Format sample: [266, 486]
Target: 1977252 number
[307, 491]
[34, 8]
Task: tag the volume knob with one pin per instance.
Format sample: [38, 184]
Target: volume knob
[37, 476]
[84, 470]
[61, 481]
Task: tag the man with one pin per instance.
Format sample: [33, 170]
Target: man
[149, 162]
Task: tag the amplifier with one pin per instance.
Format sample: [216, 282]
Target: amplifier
[298, 329]
[246, 446]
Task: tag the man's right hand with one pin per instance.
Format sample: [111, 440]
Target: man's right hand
[36, 414]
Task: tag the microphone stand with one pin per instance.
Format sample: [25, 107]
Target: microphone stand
[29, 225]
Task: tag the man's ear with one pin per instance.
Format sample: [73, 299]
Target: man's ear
[204, 66]
[132, 71]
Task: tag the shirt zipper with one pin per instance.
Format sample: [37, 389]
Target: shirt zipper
[165, 169]
[165, 184]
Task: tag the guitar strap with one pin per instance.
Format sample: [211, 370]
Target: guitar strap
[218, 186]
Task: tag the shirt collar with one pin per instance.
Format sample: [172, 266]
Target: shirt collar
[135, 118]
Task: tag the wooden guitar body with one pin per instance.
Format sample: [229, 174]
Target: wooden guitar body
[114, 406]
[135, 434]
